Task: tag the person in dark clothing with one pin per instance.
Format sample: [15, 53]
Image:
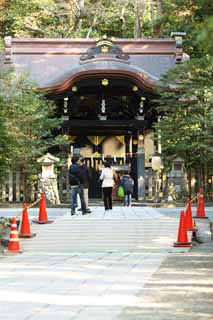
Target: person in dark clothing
[127, 183]
[76, 185]
[87, 177]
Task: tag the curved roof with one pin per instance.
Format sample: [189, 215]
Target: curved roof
[102, 68]
[54, 64]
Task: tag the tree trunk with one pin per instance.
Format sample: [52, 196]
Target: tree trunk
[140, 10]
[3, 6]
[158, 8]
[75, 8]
[157, 26]
[25, 197]
[189, 178]
[205, 178]
[199, 177]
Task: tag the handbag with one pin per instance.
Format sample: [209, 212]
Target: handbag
[120, 191]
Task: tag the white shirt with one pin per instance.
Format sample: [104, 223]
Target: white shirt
[107, 177]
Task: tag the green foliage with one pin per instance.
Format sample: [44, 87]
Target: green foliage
[186, 108]
[27, 120]
[105, 18]
[89, 18]
[190, 16]
[205, 35]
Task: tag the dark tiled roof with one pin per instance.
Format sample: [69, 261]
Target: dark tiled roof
[51, 62]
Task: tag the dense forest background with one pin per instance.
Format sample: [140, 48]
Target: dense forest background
[119, 18]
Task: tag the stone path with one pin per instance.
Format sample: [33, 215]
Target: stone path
[181, 289]
[122, 229]
[86, 267]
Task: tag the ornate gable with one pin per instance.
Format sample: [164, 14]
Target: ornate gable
[104, 48]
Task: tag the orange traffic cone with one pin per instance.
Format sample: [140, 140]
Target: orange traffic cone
[42, 219]
[13, 245]
[188, 217]
[200, 213]
[25, 226]
[182, 240]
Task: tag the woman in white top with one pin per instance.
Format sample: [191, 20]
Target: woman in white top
[107, 176]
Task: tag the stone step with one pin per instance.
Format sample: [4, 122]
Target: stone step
[136, 229]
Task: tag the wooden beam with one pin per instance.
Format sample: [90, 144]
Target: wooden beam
[120, 124]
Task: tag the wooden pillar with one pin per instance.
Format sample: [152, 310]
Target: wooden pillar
[18, 186]
[32, 193]
[138, 164]
[133, 151]
[4, 192]
[150, 184]
[127, 144]
[10, 187]
[141, 167]
[128, 147]
[67, 186]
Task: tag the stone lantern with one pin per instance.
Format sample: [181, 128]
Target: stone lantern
[48, 179]
[176, 179]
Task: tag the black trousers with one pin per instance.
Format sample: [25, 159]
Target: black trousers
[107, 198]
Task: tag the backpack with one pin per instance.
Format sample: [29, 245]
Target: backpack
[73, 177]
[127, 183]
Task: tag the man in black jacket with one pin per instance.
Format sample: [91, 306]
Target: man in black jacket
[76, 185]
[87, 177]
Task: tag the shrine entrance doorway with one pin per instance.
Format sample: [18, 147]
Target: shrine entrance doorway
[109, 117]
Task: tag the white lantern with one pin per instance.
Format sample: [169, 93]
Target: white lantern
[156, 162]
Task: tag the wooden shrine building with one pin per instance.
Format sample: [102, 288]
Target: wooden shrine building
[105, 91]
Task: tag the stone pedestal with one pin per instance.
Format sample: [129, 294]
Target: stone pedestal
[48, 179]
[50, 187]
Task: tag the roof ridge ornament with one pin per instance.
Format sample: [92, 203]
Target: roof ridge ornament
[104, 48]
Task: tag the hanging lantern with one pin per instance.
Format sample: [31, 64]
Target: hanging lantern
[104, 82]
[135, 88]
[74, 89]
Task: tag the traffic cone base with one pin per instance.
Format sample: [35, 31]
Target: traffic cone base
[200, 217]
[182, 239]
[43, 222]
[31, 235]
[6, 251]
[182, 244]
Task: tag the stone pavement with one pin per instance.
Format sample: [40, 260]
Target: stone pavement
[116, 266]
[181, 289]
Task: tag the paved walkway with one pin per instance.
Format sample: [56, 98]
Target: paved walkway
[89, 267]
[123, 229]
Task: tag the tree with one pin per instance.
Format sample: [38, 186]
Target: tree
[27, 121]
[190, 16]
[186, 111]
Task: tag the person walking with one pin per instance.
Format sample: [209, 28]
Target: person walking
[127, 183]
[108, 177]
[76, 185]
[87, 177]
